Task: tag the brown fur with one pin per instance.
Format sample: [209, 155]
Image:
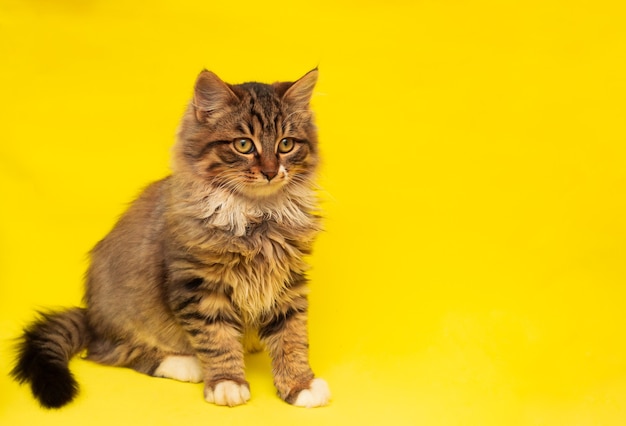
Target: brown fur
[213, 252]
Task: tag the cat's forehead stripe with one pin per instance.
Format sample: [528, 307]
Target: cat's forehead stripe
[264, 109]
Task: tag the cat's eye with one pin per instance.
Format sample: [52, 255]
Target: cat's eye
[285, 145]
[244, 145]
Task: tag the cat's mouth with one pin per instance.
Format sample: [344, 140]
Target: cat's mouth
[264, 187]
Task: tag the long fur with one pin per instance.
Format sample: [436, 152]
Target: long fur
[205, 260]
[44, 353]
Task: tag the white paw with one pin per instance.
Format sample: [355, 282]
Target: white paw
[227, 393]
[316, 395]
[178, 367]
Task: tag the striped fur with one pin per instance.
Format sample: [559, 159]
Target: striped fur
[206, 263]
[45, 350]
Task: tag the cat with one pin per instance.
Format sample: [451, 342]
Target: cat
[206, 263]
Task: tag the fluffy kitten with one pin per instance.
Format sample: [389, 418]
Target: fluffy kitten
[206, 263]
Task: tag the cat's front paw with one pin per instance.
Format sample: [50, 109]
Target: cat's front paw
[228, 393]
[316, 395]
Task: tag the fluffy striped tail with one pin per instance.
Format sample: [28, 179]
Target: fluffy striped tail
[44, 352]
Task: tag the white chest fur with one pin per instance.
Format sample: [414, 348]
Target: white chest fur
[259, 246]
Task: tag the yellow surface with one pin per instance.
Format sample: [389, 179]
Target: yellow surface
[473, 269]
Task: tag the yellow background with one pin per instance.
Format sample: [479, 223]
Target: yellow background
[474, 182]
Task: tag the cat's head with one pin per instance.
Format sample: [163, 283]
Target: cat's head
[253, 139]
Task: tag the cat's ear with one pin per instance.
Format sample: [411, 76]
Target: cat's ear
[211, 94]
[299, 93]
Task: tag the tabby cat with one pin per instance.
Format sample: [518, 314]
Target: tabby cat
[208, 262]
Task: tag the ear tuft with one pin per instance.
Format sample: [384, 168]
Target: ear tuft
[211, 94]
[300, 92]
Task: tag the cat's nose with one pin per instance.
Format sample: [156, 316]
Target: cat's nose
[269, 174]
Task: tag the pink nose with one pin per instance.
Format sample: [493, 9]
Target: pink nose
[269, 174]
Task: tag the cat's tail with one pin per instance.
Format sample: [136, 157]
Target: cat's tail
[44, 352]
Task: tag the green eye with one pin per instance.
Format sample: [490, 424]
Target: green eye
[285, 145]
[243, 145]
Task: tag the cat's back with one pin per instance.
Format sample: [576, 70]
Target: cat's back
[133, 245]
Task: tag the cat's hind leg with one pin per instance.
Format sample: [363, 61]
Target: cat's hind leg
[184, 368]
[145, 359]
